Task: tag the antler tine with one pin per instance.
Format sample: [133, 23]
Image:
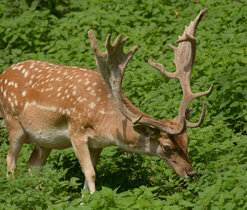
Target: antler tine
[108, 41]
[162, 69]
[112, 64]
[118, 39]
[197, 124]
[94, 42]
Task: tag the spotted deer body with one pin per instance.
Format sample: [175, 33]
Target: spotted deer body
[56, 107]
[47, 98]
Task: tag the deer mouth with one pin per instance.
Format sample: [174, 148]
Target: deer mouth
[185, 172]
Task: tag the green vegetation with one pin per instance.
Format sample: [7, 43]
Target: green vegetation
[56, 31]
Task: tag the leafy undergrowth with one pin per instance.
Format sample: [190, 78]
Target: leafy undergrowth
[56, 31]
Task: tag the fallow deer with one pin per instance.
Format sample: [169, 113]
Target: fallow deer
[56, 107]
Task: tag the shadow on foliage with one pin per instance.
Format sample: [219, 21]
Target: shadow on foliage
[121, 170]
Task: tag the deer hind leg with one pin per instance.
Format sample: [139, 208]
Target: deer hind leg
[38, 157]
[17, 137]
[94, 154]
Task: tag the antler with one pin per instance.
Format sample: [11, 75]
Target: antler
[112, 64]
[184, 60]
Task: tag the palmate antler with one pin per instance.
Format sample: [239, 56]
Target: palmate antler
[112, 64]
[184, 60]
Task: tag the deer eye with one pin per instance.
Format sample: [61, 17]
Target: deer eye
[166, 148]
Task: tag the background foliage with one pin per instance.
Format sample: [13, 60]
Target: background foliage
[56, 31]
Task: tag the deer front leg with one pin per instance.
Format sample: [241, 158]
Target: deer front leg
[82, 152]
[94, 154]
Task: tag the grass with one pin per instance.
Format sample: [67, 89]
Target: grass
[56, 31]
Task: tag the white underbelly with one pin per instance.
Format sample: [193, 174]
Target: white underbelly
[53, 139]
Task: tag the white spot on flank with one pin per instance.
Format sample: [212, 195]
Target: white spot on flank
[74, 93]
[20, 67]
[68, 112]
[24, 93]
[26, 74]
[16, 85]
[4, 93]
[14, 67]
[95, 83]
[89, 88]
[102, 111]
[6, 81]
[87, 82]
[93, 93]
[92, 105]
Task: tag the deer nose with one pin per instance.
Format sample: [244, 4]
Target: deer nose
[190, 173]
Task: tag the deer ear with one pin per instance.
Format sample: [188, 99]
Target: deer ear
[146, 130]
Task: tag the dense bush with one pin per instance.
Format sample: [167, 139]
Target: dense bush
[56, 31]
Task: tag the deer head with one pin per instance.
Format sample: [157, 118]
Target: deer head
[170, 135]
